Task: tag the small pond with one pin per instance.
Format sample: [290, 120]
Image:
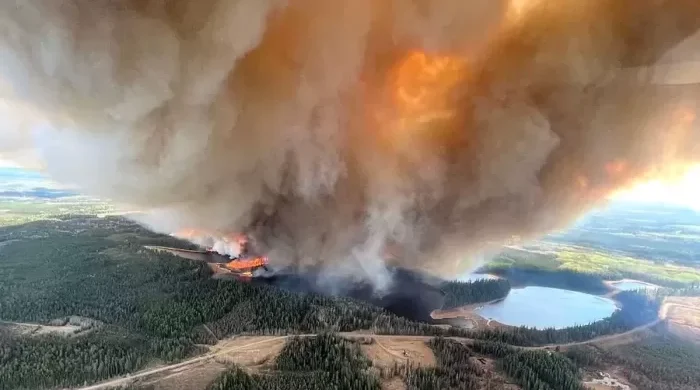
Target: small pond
[544, 307]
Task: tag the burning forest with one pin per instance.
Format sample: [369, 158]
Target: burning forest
[352, 136]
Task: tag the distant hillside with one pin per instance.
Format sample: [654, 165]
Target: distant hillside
[661, 233]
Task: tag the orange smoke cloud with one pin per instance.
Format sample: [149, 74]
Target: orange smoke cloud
[423, 84]
[331, 133]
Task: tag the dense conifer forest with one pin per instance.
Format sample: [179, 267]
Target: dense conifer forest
[466, 293]
[154, 307]
[330, 362]
[564, 279]
[661, 362]
[158, 303]
[455, 368]
[459, 368]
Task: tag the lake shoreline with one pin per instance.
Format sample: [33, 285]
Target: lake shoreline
[612, 284]
[533, 306]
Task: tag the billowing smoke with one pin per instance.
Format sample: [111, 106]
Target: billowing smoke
[233, 246]
[352, 133]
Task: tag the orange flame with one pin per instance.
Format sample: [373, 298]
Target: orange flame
[247, 263]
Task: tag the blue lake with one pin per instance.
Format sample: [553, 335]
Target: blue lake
[544, 307]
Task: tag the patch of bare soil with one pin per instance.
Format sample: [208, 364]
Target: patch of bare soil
[70, 326]
[249, 352]
[682, 310]
[254, 356]
[466, 317]
[394, 384]
[611, 380]
[385, 352]
[688, 301]
[682, 315]
[193, 378]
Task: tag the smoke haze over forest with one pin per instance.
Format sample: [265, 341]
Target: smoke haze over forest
[357, 133]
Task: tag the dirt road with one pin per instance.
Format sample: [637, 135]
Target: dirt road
[143, 374]
[663, 311]
[122, 381]
[600, 339]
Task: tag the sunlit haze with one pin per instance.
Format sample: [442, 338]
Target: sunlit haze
[6, 164]
[684, 191]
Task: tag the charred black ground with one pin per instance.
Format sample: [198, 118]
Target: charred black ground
[411, 295]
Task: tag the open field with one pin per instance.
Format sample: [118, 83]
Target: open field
[655, 232]
[553, 257]
[41, 330]
[195, 377]
[254, 353]
[385, 352]
[223, 350]
[27, 196]
[612, 380]
[251, 353]
[15, 211]
[585, 261]
[652, 243]
[683, 316]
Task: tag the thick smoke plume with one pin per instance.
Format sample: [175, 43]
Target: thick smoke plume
[352, 133]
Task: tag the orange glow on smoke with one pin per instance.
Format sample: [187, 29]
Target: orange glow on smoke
[518, 8]
[189, 233]
[582, 182]
[681, 124]
[422, 84]
[236, 239]
[624, 177]
[616, 168]
[685, 116]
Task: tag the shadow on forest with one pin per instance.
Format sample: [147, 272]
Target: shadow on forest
[409, 296]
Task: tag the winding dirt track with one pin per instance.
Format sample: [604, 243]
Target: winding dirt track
[663, 311]
[122, 381]
[143, 374]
